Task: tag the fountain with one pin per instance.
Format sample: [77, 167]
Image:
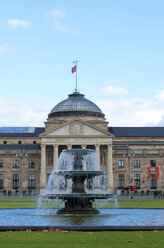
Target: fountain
[77, 182]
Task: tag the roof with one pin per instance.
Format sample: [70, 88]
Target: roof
[17, 147]
[116, 131]
[137, 131]
[76, 104]
[21, 131]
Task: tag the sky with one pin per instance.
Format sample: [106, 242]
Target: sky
[119, 45]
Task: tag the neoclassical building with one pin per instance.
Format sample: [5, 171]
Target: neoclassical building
[126, 154]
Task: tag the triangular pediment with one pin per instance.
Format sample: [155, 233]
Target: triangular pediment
[77, 128]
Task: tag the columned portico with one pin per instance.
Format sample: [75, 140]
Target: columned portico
[88, 136]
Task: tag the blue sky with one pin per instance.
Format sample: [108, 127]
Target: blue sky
[119, 45]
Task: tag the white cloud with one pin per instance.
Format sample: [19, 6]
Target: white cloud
[4, 49]
[129, 112]
[135, 112]
[15, 23]
[22, 114]
[160, 95]
[110, 90]
[57, 16]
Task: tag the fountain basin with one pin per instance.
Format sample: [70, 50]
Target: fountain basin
[107, 219]
[78, 173]
[79, 195]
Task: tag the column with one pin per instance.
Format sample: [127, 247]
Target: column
[109, 168]
[98, 156]
[43, 176]
[69, 146]
[56, 154]
[83, 146]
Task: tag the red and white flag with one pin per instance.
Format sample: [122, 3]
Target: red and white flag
[74, 69]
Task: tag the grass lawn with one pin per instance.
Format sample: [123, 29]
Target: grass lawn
[18, 203]
[135, 203]
[122, 203]
[82, 239]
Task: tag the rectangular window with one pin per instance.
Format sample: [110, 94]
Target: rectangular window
[153, 181]
[152, 163]
[4, 142]
[1, 181]
[137, 181]
[34, 142]
[15, 163]
[19, 142]
[31, 181]
[137, 163]
[1, 163]
[31, 164]
[121, 163]
[15, 181]
[121, 181]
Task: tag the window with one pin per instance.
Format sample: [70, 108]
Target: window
[121, 163]
[15, 163]
[19, 142]
[137, 181]
[153, 181]
[31, 181]
[1, 163]
[121, 181]
[152, 163]
[34, 142]
[1, 181]
[31, 164]
[15, 181]
[4, 142]
[137, 163]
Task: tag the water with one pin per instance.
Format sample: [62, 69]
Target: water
[77, 181]
[107, 217]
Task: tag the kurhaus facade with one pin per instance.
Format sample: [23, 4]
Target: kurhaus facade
[29, 154]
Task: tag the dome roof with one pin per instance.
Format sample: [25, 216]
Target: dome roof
[76, 104]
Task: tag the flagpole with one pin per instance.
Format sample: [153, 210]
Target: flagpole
[75, 62]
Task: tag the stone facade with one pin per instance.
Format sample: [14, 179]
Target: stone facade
[27, 159]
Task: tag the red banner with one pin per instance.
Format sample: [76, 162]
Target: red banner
[149, 175]
[157, 172]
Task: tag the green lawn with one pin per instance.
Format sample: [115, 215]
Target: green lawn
[18, 203]
[122, 203]
[82, 239]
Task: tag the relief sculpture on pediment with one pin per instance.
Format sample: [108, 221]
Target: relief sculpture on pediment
[76, 128]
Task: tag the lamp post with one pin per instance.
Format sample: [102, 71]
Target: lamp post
[21, 169]
[130, 153]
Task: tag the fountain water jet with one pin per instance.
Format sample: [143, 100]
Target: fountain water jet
[77, 182]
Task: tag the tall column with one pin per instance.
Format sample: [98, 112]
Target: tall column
[56, 154]
[43, 175]
[98, 156]
[109, 168]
